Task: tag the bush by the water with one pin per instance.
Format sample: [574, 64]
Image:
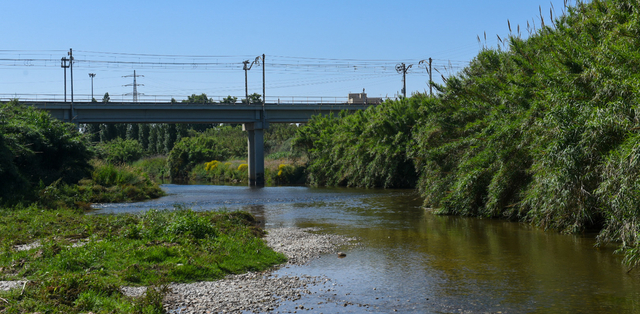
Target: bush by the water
[155, 167]
[544, 131]
[111, 184]
[37, 150]
[107, 184]
[365, 149]
[190, 151]
[120, 151]
[277, 172]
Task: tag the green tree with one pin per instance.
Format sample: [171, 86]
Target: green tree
[170, 136]
[253, 99]
[93, 131]
[161, 129]
[229, 100]
[108, 132]
[198, 99]
[182, 130]
[121, 130]
[120, 151]
[143, 135]
[153, 139]
[133, 131]
[190, 151]
[231, 137]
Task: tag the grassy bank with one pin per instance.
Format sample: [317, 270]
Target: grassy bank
[82, 259]
[107, 184]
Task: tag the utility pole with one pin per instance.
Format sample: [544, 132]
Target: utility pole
[246, 85]
[64, 65]
[430, 79]
[264, 96]
[135, 86]
[92, 75]
[430, 75]
[403, 69]
[71, 70]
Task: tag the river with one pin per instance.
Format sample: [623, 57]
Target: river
[414, 261]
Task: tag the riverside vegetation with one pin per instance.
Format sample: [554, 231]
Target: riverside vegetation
[178, 152]
[76, 263]
[542, 130]
[202, 153]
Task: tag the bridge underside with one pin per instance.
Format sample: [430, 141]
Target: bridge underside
[255, 118]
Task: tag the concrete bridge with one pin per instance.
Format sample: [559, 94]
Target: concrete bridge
[255, 118]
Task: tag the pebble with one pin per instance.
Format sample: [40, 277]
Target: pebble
[7, 285]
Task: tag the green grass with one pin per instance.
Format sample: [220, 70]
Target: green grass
[149, 249]
[155, 167]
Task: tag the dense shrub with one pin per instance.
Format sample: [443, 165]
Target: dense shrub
[108, 184]
[367, 148]
[119, 151]
[190, 151]
[231, 138]
[37, 150]
[155, 167]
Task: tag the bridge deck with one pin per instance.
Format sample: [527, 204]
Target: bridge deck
[112, 112]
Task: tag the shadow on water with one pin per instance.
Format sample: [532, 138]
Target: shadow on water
[414, 261]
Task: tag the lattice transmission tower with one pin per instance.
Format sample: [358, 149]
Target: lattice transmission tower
[135, 86]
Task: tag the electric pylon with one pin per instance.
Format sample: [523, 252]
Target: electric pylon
[135, 86]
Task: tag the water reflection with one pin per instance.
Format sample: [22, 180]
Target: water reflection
[412, 261]
[257, 211]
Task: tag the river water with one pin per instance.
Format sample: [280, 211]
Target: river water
[414, 261]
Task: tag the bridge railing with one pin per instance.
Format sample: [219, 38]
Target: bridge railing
[284, 100]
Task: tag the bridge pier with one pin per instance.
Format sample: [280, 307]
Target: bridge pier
[255, 135]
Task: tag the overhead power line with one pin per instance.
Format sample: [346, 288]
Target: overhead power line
[203, 62]
[285, 71]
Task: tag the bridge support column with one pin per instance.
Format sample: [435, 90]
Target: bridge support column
[255, 134]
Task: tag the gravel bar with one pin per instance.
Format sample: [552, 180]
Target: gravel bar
[7, 285]
[256, 291]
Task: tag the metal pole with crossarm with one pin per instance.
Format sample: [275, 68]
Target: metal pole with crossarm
[92, 75]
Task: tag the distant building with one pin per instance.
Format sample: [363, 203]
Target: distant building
[361, 98]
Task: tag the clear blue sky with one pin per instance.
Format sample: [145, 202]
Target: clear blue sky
[312, 48]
